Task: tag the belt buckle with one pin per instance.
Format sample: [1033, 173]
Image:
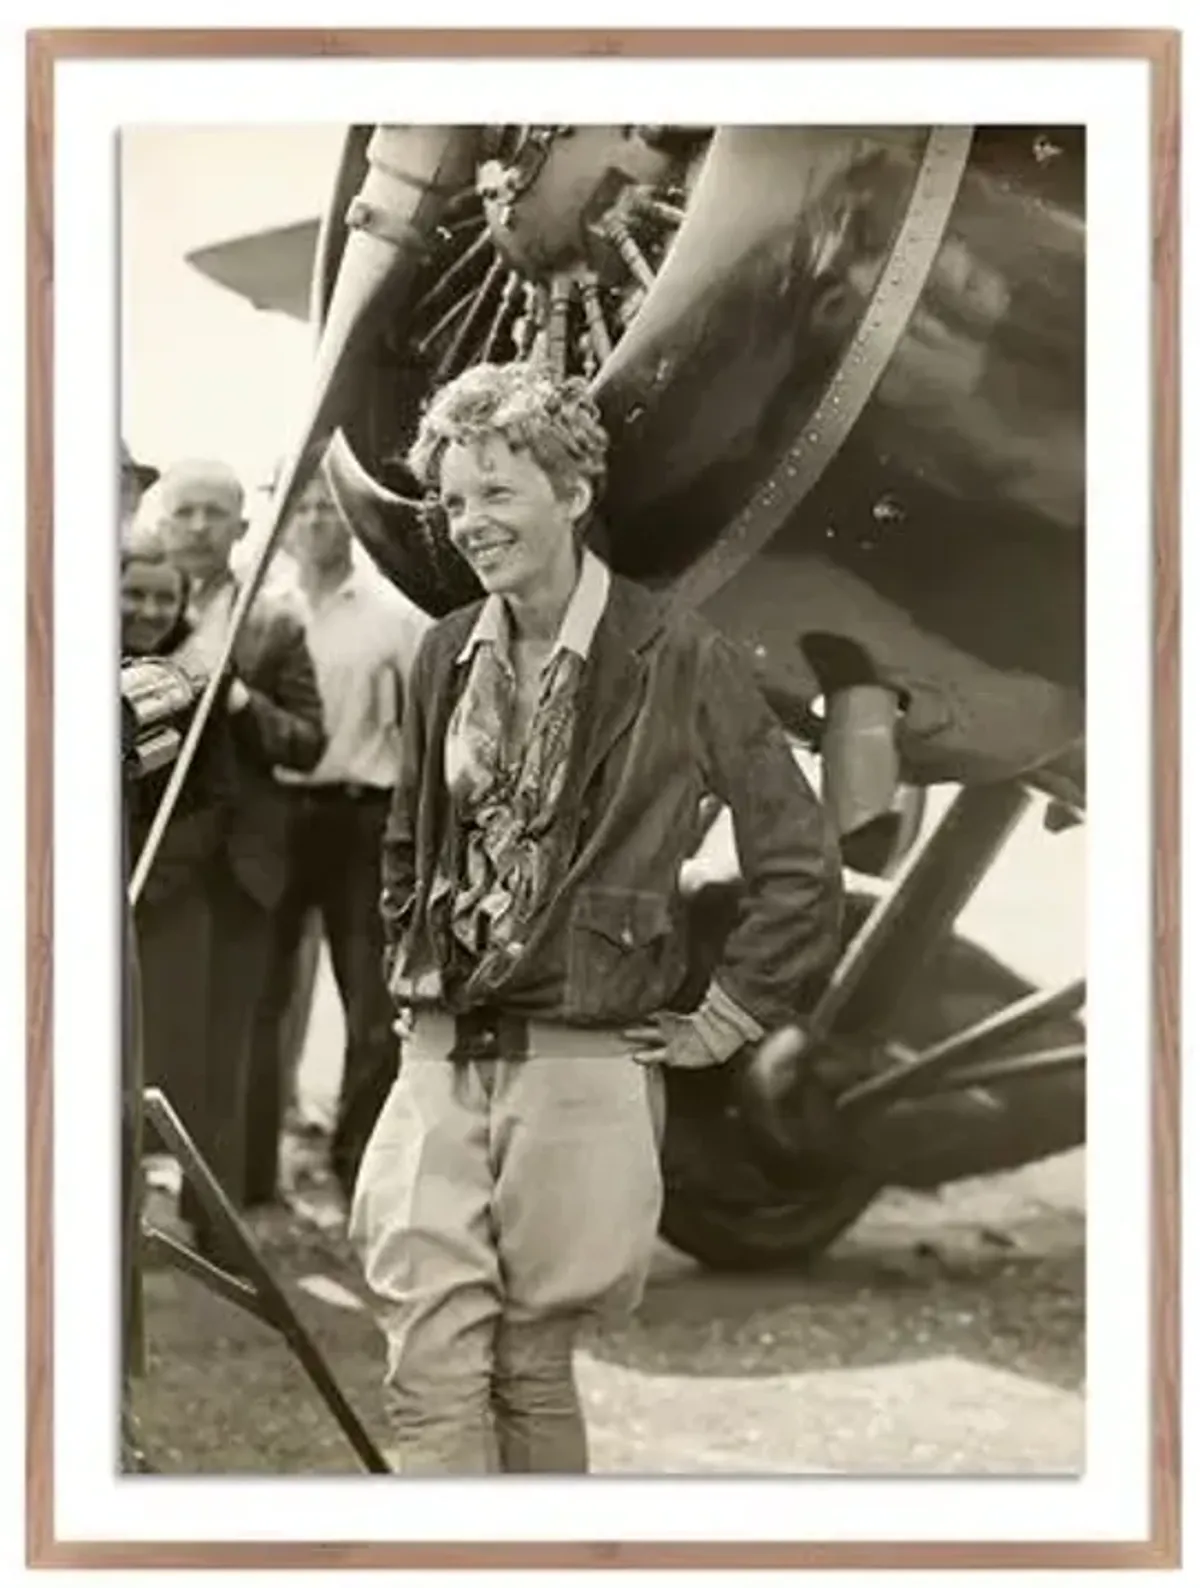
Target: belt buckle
[481, 1034]
[475, 1037]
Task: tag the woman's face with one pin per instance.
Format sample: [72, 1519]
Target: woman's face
[151, 603]
[507, 520]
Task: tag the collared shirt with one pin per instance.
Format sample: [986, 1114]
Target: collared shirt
[578, 626]
[501, 860]
[363, 637]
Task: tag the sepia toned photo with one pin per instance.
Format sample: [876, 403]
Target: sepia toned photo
[602, 618]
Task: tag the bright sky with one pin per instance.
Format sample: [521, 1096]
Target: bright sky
[204, 373]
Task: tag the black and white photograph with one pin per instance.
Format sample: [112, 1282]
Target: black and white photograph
[602, 619]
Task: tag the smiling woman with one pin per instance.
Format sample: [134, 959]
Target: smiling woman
[559, 738]
[506, 519]
[519, 461]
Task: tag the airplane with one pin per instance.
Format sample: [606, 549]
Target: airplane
[843, 370]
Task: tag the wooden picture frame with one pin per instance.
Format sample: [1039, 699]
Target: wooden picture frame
[47, 50]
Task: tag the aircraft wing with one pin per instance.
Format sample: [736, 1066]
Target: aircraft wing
[272, 269]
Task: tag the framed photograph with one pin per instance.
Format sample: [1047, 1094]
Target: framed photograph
[736, 519]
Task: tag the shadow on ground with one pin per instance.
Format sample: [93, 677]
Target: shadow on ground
[1021, 1312]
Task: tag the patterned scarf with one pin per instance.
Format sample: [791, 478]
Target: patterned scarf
[507, 797]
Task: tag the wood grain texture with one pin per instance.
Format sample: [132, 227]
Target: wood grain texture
[1161, 49]
[1165, 1099]
[660, 43]
[608, 1554]
[39, 795]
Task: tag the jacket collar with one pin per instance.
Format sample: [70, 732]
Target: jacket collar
[616, 672]
[634, 615]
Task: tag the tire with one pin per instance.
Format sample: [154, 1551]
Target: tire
[731, 1205]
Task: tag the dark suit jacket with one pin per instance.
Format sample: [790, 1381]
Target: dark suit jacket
[283, 725]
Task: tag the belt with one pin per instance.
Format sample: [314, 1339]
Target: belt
[488, 1033]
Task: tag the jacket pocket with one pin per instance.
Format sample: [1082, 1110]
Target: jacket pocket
[625, 954]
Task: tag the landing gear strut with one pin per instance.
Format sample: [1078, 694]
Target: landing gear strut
[932, 1062]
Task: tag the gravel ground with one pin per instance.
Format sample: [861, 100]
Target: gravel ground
[989, 1273]
[989, 1270]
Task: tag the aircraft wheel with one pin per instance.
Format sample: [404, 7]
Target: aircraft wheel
[733, 1204]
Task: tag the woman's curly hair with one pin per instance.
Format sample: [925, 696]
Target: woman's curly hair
[556, 421]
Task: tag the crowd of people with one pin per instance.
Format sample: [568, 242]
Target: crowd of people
[491, 814]
[280, 815]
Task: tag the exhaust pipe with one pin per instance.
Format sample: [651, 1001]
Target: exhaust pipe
[877, 816]
[860, 765]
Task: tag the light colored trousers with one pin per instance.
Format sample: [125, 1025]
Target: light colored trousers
[501, 1203]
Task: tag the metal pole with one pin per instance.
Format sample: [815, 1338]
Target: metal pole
[974, 1044]
[909, 1081]
[1019, 1066]
[266, 1300]
[935, 881]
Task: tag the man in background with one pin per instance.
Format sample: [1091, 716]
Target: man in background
[363, 635]
[271, 718]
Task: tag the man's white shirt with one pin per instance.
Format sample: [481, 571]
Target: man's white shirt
[363, 637]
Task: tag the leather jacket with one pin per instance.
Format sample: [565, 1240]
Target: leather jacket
[669, 712]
